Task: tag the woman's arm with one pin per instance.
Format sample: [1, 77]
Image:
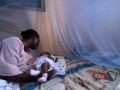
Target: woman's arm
[25, 77]
[21, 78]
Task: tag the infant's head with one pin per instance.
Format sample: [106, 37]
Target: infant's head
[47, 54]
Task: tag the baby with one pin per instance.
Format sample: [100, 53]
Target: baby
[44, 63]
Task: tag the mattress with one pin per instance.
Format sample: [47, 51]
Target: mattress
[79, 75]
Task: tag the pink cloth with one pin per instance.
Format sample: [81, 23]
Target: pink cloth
[13, 58]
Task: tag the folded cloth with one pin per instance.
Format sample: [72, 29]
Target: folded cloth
[61, 66]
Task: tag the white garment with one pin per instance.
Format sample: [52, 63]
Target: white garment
[44, 59]
[4, 85]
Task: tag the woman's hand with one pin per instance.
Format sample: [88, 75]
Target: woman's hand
[32, 60]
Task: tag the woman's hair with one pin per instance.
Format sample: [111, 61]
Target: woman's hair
[27, 34]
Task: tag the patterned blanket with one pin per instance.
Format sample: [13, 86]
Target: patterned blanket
[80, 75]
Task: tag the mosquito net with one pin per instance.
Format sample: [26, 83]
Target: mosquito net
[76, 29]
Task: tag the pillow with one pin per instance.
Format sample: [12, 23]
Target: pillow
[60, 57]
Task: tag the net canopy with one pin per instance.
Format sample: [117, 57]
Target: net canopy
[76, 29]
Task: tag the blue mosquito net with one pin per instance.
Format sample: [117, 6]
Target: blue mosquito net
[75, 29]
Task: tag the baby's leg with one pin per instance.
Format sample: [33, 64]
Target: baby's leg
[44, 67]
[33, 71]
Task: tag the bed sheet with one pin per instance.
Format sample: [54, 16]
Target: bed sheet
[80, 75]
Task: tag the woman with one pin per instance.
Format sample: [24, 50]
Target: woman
[15, 54]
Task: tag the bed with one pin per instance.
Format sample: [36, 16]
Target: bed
[78, 75]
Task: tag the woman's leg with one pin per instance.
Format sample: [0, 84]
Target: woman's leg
[44, 68]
